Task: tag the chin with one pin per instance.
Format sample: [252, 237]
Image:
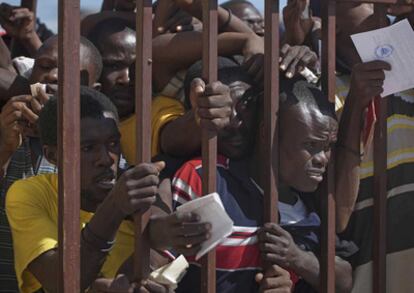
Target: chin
[308, 187]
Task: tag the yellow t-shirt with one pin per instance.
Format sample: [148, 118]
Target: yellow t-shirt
[32, 210]
[164, 110]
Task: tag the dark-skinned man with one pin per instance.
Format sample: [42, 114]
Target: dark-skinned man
[20, 149]
[248, 13]
[359, 84]
[107, 199]
[308, 131]
[170, 52]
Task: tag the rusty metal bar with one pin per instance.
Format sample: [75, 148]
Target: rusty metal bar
[69, 146]
[30, 4]
[271, 107]
[209, 139]
[327, 260]
[143, 96]
[380, 182]
[369, 1]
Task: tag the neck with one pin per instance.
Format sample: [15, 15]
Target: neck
[256, 166]
[88, 205]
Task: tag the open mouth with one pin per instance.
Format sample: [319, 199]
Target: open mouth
[316, 175]
[106, 181]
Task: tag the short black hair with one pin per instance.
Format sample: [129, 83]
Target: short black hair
[228, 71]
[298, 91]
[109, 26]
[93, 104]
[91, 53]
[229, 4]
[88, 52]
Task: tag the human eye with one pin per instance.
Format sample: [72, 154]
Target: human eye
[86, 148]
[114, 143]
[113, 65]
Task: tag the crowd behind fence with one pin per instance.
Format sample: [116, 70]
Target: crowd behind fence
[69, 138]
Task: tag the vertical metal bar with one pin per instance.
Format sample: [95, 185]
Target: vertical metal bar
[69, 146]
[327, 261]
[143, 92]
[271, 107]
[30, 4]
[380, 182]
[209, 139]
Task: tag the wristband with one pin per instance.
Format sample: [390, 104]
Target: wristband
[352, 151]
[96, 242]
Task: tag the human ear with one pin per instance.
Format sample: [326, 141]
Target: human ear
[50, 153]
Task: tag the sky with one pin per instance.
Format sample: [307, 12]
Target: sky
[47, 9]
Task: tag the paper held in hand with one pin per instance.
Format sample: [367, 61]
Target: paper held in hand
[393, 44]
[211, 210]
[171, 274]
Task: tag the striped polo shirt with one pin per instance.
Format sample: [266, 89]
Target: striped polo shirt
[400, 209]
[238, 256]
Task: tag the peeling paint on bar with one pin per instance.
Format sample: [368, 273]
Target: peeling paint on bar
[69, 146]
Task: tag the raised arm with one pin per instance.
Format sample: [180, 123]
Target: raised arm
[174, 52]
[366, 83]
[227, 22]
[20, 23]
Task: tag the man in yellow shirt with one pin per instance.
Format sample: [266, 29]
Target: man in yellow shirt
[107, 238]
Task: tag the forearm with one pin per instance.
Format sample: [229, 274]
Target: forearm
[12, 85]
[347, 163]
[175, 52]
[5, 58]
[308, 268]
[174, 138]
[103, 226]
[31, 43]
[179, 51]
[225, 22]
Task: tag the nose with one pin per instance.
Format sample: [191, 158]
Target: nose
[105, 157]
[321, 159]
[123, 77]
[258, 28]
[52, 76]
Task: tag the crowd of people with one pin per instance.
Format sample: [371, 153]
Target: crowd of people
[257, 256]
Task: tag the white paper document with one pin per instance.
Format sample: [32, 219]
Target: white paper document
[395, 45]
[171, 274]
[210, 209]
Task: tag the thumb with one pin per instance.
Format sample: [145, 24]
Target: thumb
[259, 277]
[197, 88]
[160, 165]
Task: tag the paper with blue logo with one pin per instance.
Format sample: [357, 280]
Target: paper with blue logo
[395, 45]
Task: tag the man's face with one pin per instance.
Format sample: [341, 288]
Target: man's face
[45, 69]
[117, 79]
[251, 16]
[305, 147]
[236, 140]
[100, 152]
